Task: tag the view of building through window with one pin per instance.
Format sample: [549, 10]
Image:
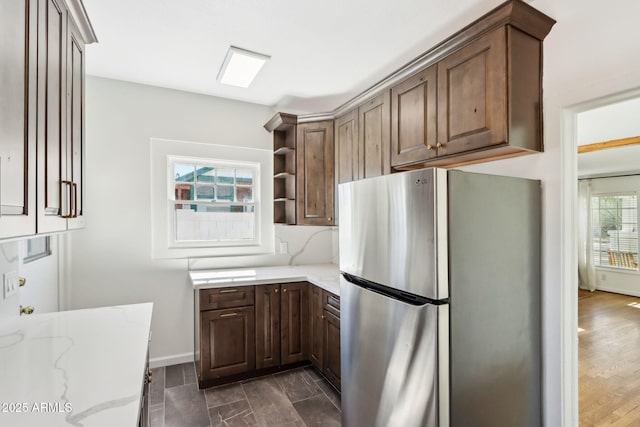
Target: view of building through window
[614, 228]
[214, 202]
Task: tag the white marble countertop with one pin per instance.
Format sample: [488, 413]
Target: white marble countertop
[74, 368]
[325, 276]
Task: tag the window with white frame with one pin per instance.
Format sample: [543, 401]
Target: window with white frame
[206, 200]
[614, 225]
[215, 202]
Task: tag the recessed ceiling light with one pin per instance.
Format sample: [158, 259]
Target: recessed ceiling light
[240, 67]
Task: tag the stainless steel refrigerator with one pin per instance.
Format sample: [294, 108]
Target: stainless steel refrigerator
[440, 300]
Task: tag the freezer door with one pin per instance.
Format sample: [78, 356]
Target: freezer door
[389, 360]
[393, 231]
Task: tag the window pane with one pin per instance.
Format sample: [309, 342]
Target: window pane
[206, 174]
[205, 192]
[614, 230]
[244, 177]
[225, 176]
[184, 173]
[225, 193]
[214, 222]
[184, 192]
[38, 247]
[244, 194]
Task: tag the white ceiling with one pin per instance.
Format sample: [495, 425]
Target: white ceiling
[322, 53]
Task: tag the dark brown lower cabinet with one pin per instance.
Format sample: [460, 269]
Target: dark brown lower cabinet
[267, 326]
[316, 347]
[331, 335]
[294, 327]
[228, 342]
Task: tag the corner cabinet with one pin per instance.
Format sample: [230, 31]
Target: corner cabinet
[248, 331]
[42, 115]
[303, 171]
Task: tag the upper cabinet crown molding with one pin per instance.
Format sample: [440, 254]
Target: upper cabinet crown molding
[281, 121]
[79, 15]
[515, 13]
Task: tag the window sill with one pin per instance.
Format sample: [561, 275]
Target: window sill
[619, 270]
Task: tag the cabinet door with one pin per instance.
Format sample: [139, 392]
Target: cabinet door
[472, 91]
[227, 342]
[316, 353]
[414, 119]
[315, 170]
[75, 124]
[347, 147]
[374, 118]
[332, 348]
[267, 326]
[18, 62]
[294, 325]
[54, 189]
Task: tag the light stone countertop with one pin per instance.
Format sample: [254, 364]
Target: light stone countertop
[89, 361]
[325, 276]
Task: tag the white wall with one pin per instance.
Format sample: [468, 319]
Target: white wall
[111, 258]
[607, 279]
[615, 121]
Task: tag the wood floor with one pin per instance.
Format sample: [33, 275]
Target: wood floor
[609, 359]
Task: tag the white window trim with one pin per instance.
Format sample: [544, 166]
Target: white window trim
[162, 206]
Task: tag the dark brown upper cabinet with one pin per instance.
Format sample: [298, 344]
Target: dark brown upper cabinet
[304, 169]
[314, 180]
[414, 118]
[347, 147]
[374, 134]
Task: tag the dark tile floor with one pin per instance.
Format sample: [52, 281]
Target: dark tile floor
[300, 397]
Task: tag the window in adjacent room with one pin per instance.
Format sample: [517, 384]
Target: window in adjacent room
[614, 228]
[214, 202]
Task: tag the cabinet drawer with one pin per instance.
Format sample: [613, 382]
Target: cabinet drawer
[331, 303]
[211, 299]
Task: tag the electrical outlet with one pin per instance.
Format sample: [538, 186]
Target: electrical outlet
[10, 284]
[284, 248]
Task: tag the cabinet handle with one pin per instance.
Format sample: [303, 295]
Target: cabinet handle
[226, 291]
[284, 290]
[439, 144]
[70, 212]
[322, 317]
[276, 291]
[75, 199]
[229, 314]
[328, 218]
[429, 147]
[22, 281]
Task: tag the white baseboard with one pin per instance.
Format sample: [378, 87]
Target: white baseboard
[629, 292]
[176, 359]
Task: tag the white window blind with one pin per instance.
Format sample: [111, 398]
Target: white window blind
[614, 225]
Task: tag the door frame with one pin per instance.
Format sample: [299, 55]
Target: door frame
[569, 235]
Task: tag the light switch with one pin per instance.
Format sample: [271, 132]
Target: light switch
[10, 284]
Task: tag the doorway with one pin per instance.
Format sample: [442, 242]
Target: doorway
[608, 308]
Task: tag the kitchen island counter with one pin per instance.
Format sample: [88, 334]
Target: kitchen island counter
[72, 368]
